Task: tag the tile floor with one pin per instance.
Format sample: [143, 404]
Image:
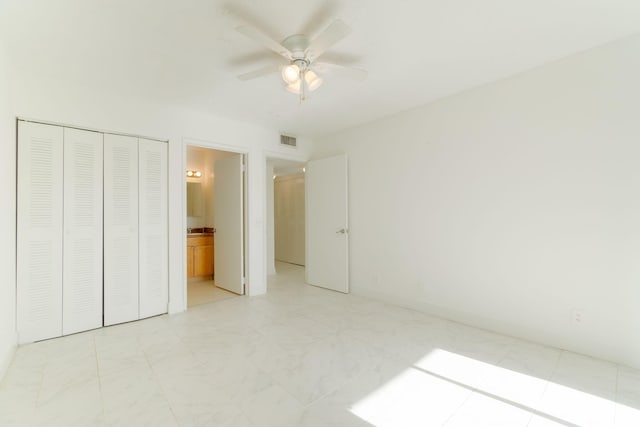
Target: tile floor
[306, 356]
[206, 292]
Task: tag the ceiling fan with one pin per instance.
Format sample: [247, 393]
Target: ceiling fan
[300, 71]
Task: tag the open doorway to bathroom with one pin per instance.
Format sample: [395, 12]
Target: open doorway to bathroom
[215, 225]
[286, 217]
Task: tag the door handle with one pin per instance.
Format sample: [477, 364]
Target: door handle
[342, 231]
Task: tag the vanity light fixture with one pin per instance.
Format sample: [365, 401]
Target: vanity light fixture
[194, 174]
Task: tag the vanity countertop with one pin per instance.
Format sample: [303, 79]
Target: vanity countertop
[200, 231]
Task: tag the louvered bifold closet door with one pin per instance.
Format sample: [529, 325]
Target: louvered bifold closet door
[120, 229]
[39, 245]
[153, 240]
[82, 254]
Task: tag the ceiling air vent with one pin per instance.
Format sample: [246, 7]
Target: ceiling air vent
[288, 140]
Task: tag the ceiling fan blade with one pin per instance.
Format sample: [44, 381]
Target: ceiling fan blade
[264, 40]
[260, 72]
[335, 32]
[317, 21]
[348, 72]
[253, 58]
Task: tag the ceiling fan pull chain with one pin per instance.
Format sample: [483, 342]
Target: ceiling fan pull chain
[303, 91]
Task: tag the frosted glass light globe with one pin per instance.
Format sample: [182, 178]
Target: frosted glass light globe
[291, 74]
[313, 80]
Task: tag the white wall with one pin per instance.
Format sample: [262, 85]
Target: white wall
[7, 218]
[510, 205]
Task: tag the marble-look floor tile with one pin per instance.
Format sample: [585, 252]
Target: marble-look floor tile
[587, 374]
[628, 398]
[548, 421]
[271, 405]
[60, 376]
[222, 344]
[295, 331]
[18, 404]
[627, 416]
[77, 404]
[576, 407]
[222, 416]
[522, 375]
[117, 354]
[313, 371]
[305, 356]
[581, 391]
[133, 397]
[31, 356]
[483, 411]
[391, 393]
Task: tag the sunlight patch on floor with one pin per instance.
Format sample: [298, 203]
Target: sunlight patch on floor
[478, 393]
[411, 398]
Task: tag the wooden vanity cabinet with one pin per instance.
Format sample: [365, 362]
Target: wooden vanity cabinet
[203, 260]
[190, 270]
[200, 256]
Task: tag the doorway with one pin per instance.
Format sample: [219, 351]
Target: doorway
[214, 225]
[286, 209]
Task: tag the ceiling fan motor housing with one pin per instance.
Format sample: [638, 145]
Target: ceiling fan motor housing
[297, 45]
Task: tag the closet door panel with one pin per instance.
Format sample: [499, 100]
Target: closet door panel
[39, 227]
[120, 229]
[82, 253]
[153, 228]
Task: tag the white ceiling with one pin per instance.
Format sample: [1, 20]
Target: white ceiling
[186, 52]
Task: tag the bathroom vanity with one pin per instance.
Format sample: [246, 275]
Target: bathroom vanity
[200, 247]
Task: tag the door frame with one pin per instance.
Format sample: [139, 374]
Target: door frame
[212, 145]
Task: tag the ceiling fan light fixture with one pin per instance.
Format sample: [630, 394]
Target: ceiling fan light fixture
[294, 87]
[290, 74]
[313, 80]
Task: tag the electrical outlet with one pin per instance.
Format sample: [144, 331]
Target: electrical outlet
[576, 316]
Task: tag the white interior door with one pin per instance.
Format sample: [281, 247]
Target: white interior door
[39, 246]
[327, 261]
[228, 220]
[153, 228]
[82, 253]
[120, 229]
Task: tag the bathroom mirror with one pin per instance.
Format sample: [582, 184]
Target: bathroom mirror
[195, 201]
